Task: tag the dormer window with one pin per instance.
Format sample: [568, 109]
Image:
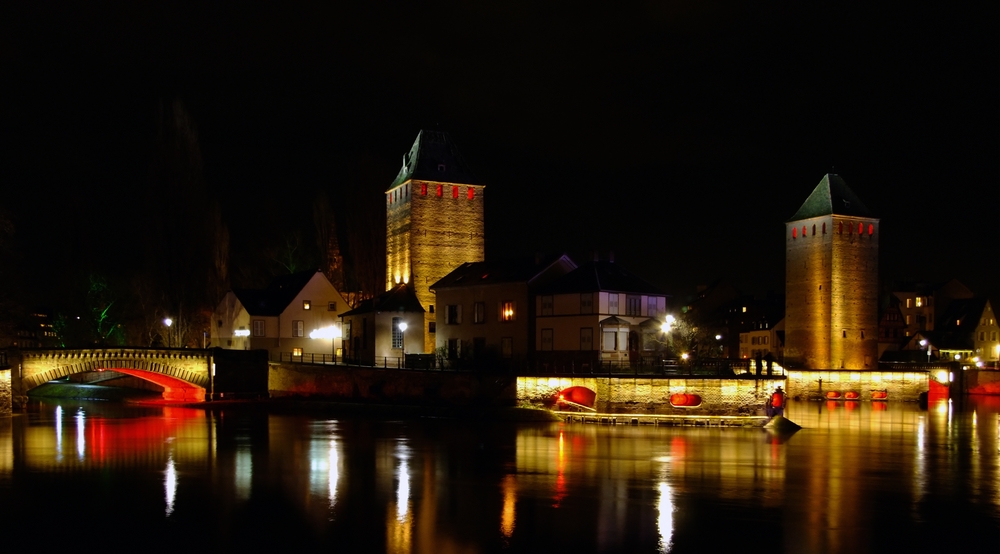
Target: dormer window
[306, 304]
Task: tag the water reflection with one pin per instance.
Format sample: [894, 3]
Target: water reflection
[853, 475]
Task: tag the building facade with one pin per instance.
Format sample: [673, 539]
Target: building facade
[295, 315]
[381, 331]
[831, 280]
[434, 221]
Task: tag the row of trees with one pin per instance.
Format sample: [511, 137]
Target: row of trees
[181, 258]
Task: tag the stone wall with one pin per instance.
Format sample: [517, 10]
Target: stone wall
[652, 396]
[901, 385]
[6, 405]
[390, 386]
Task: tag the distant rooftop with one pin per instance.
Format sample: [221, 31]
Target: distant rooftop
[434, 157]
[275, 298]
[831, 196]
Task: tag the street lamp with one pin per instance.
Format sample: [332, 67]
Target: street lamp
[168, 322]
[927, 345]
[402, 340]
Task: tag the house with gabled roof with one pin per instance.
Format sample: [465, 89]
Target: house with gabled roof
[485, 309]
[295, 316]
[382, 330]
[598, 313]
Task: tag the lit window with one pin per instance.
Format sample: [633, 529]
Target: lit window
[297, 352]
[744, 309]
[440, 190]
[306, 305]
[471, 193]
[803, 231]
[298, 328]
[920, 301]
[423, 189]
[507, 310]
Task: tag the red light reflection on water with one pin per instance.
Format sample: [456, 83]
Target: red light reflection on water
[126, 437]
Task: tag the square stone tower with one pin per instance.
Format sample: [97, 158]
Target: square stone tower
[434, 220]
[831, 281]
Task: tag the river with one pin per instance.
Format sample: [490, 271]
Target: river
[858, 477]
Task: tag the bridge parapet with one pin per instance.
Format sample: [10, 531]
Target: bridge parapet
[38, 366]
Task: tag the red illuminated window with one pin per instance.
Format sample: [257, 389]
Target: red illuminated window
[871, 229]
[423, 189]
[471, 193]
[454, 192]
[861, 228]
[795, 232]
[440, 190]
[840, 228]
[803, 231]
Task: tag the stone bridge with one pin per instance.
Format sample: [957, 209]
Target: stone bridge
[184, 374]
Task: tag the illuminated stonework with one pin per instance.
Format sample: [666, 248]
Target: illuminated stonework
[434, 220]
[831, 281]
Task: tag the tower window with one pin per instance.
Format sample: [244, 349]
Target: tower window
[871, 229]
[440, 191]
[814, 229]
[861, 228]
[840, 227]
[824, 227]
[454, 191]
[803, 230]
[795, 232]
[423, 189]
[471, 192]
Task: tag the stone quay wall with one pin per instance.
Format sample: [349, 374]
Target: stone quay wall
[6, 405]
[390, 386]
[900, 385]
[651, 396]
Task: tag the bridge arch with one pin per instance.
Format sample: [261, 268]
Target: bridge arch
[184, 374]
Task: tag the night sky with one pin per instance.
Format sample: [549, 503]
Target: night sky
[678, 135]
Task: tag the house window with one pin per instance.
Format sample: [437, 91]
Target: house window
[297, 352]
[610, 341]
[507, 310]
[331, 307]
[613, 304]
[453, 315]
[547, 305]
[298, 328]
[651, 310]
[507, 347]
[587, 303]
[479, 312]
[307, 304]
[453, 346]
[586, 338]
[397, 333]
[632, 305]
[546, 339]
[920, 301]
[258, 327]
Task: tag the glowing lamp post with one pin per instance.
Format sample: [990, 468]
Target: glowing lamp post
[926, 345]
[331, 332]
[402, 340]
[168, 322]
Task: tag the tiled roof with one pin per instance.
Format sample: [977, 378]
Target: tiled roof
[831, 196]
[495, 272]
[400, 298]
[600, 276]
[434, 157]
[273, 300]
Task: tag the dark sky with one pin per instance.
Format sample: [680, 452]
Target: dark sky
[679, 135]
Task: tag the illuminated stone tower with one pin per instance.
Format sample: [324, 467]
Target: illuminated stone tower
[434, 220]
[831, 281]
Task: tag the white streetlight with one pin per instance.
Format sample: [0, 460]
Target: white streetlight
[168, 322]
[402, 340]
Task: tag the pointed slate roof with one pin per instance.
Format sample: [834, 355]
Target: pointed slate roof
[831, 196]
[275, 298]
[434, 157]
[499, 271]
